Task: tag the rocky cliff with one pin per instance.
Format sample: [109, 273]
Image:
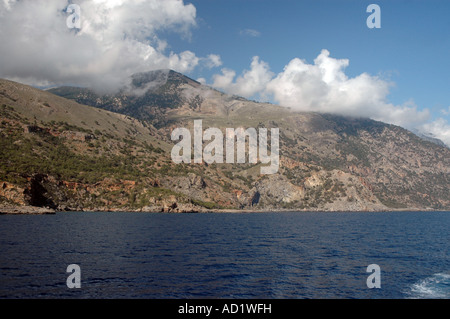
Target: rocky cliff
[114, 154]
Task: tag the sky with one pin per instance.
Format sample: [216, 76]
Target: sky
[311, 55]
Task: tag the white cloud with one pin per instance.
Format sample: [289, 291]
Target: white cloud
[6, 5]
[213, 61]
[324, 87]
[225, 80]
[440, 128]
[250, 32]
[184, 62]
[249, 83]
[117, 38]
[446, 111]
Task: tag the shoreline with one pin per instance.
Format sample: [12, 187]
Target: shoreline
[26, 210]
[33, 210]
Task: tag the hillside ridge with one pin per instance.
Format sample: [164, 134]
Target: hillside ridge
[84, 151]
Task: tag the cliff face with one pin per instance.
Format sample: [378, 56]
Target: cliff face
[60, 154]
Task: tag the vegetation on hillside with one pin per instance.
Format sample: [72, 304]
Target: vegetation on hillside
[91, 158]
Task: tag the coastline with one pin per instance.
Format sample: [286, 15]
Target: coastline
[26, 210]
[33, 210]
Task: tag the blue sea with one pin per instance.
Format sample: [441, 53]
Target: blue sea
[289, 255]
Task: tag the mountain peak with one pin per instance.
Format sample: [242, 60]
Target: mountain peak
[157, 78]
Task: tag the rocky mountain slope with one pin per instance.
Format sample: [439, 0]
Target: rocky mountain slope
[114, 154]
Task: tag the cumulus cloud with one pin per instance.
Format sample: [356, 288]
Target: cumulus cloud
[213, 61]
[117, 38]
[249, 83]
[201, 80]
[439, 128]
[323, 86]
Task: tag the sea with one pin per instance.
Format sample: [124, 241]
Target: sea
[273, 255]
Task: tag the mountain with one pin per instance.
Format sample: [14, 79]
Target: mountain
[428, 137]
[66, 151]
[57, 153]
[147, 97]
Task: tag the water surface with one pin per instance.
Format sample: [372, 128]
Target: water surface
[221, 255]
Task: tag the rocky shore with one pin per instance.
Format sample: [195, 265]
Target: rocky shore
[26, 210]
[32, 210]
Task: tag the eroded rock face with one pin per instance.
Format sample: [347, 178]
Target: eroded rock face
[277, 189]
[46, 193]
[36, 193]
[12, 194]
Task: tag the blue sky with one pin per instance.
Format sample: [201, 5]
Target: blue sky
[412, 48]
